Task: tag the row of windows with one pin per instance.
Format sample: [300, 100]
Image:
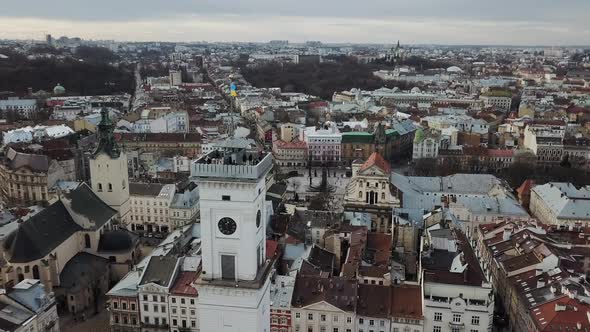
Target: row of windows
[149, 219]
[453, 329]
[140, 210]
[383, 184]
[124, 320]
[109, 186]
[140, 202]
[323, 329]
[372, 322]
[163, 299]
[154, 298]
[177, 214]
[283, 320]
[29, 178]
[115, 305]
[155, 307]
[282, 329]
[183, 311]
[323, 317]
[382, 195]
[183, 323]
[457, 318]
[146, 320]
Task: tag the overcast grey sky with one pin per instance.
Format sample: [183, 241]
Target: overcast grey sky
[523, 22]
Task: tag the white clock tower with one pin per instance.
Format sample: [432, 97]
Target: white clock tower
[234, 283]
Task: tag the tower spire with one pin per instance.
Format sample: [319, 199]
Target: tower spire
[106, 138]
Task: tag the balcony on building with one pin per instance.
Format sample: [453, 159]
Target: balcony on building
[241, 164]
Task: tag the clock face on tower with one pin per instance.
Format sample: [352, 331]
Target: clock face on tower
[258, 217]
[227, 226]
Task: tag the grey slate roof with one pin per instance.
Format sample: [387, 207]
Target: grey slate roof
[82, 270]
[42, 233]
[506, 206]
[117, 241]
[457, 183]
[36, 162]
[145, 189]
[31, 293]
[160, 270]
[565, 200]
[85, 202]
[322, 259]
[12, 314]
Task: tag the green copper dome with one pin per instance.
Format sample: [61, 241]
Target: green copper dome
[59, 90]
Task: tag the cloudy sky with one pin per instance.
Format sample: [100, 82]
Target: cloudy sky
[520, 22]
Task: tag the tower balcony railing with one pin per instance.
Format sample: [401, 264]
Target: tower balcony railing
[253, 169]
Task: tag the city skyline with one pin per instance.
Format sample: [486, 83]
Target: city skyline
[456, 22]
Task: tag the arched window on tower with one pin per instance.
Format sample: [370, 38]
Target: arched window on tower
[100, 187]
[110, 187]
[36, 272]
[360, 194]
[87, 240]
[20, 275]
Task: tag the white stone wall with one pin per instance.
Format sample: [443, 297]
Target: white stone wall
[110, 181]
[234, 309]
[367, 324]
[322, 315]
[147, 210]
[184, 312]
[456, 310]
[153, 307]
[245, 200]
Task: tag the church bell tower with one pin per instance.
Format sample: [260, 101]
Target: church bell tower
[108, 169]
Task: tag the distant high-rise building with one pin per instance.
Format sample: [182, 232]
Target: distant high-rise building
[49, 39]
[278, 43]
[175, 77]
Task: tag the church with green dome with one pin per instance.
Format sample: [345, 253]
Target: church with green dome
[360, 145]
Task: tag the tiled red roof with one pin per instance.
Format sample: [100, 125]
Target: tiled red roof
[520, 262]
[373, 301]
[380, 244]
[184, 284]
[406, 302]
[500, 153]
[271, 248]
[318, 104]
[339, 292]
[290, 145]
[377, 160]
[563, 314]
[577, 109]
[549, 122]
[525, 187]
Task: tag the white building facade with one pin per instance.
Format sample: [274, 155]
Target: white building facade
[324, 145]
[150, 204]
[234, 287]
[425, 145]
